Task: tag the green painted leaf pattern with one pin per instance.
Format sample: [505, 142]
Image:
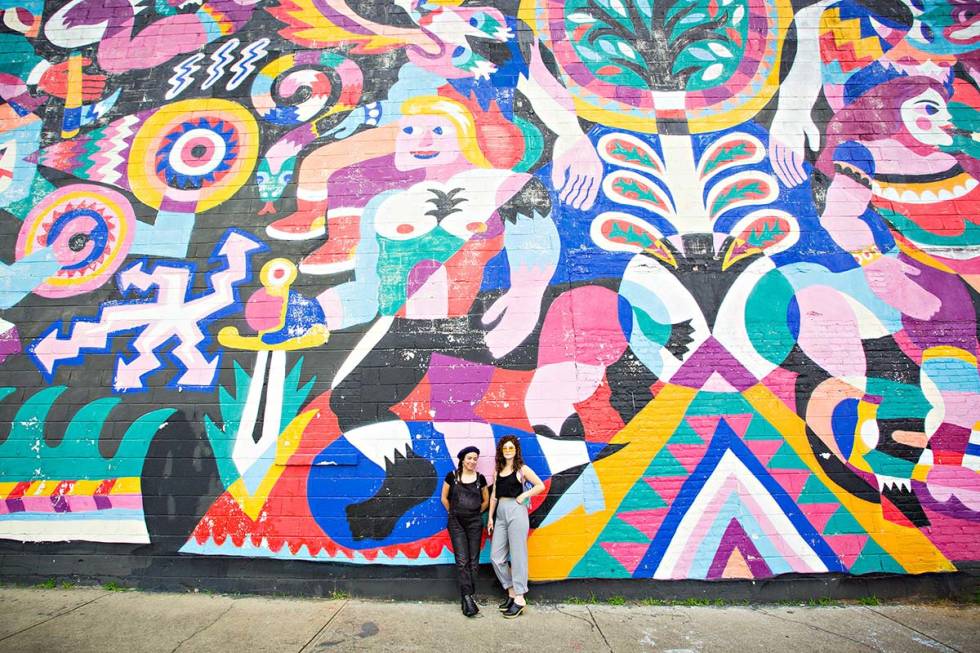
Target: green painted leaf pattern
[659, 45]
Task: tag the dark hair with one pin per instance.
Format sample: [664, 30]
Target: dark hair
[518, 458]
[459, 465]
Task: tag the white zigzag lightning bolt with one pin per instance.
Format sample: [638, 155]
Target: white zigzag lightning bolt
[221, 58]
[245, 66]
[115, 143]
[183, 75]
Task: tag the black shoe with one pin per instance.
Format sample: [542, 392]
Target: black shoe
[503, 607]
[513, 611]
[470, 608]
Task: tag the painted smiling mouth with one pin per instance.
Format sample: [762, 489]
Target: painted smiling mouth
[425, 154]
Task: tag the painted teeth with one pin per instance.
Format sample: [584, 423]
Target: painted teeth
[925, 196]
[892, 483]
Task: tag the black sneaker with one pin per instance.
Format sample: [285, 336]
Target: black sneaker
[503, 607]
[513, 611]
[470, 608]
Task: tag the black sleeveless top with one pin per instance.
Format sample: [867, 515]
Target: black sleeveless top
[508, 487]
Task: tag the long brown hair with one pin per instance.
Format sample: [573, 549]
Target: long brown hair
[518, 458]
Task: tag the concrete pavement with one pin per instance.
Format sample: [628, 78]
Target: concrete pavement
[81, 619]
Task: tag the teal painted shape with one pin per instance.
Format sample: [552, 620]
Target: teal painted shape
[597, 563]
[294, 395]
[26, 456]
[814, 491]
[843, 523]
[232, 406]
[129, 458]
[222, 438]
[766, 317]
[22, 453]
[875, 559]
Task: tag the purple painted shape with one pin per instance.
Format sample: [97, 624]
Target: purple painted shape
[735, 537]
[14, 505]
[712, 357]
[357, 185]
[456, 387]
[9, 343]
[955, 324]
[419, 274]
[59, 502]
[339, 19]
[102, 502]
[952, 507]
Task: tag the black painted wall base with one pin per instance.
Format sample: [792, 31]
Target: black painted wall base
[142, 567]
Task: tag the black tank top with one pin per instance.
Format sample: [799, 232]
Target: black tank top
[508, 487]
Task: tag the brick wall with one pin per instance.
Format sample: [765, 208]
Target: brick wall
[268, 266]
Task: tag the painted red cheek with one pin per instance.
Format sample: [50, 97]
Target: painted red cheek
[404, 228]
[476, 227]
[924, 124]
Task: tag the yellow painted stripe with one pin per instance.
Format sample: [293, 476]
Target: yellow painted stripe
[910, 548]
[554, 550]
[126, 485]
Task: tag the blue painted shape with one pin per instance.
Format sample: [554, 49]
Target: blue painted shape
[726, 439]
[844, 423]
[331, 488]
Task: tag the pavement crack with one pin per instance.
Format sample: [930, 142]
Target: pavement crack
[203, 628]
[914, 630]
[601, 634]
[591, 622]
[324, 627]
[55, 616]
[822, 630]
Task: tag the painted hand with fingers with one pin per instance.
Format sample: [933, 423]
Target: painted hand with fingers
[790, 135]
[576, 172]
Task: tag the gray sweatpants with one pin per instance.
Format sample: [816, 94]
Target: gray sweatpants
[510, 537]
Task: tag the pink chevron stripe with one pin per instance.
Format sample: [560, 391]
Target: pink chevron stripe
[707, 518]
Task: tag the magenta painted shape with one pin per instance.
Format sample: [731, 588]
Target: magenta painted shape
[735, 537]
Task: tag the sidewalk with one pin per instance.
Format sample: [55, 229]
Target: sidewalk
[78, 620]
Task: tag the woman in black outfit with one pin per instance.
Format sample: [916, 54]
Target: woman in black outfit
[465, 496]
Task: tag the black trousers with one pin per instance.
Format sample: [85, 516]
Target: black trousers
[465, 532]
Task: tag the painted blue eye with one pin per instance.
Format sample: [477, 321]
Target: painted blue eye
[438, 130]
[286, 178]
[474, 22]
[459, 51]
[408, 130]
[932, 109]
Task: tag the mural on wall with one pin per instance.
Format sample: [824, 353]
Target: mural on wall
[269, 264]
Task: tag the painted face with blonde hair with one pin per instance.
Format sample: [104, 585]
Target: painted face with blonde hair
[436, 131]
[425, 141]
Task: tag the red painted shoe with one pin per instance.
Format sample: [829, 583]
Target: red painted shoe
[307, 222]
[337, 254]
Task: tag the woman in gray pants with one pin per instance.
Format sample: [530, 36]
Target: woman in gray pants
[508, 522]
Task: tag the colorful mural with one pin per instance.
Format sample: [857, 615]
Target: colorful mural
[269, 264]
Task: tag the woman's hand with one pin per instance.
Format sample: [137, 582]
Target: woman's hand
[521, 498]
[490, 525]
